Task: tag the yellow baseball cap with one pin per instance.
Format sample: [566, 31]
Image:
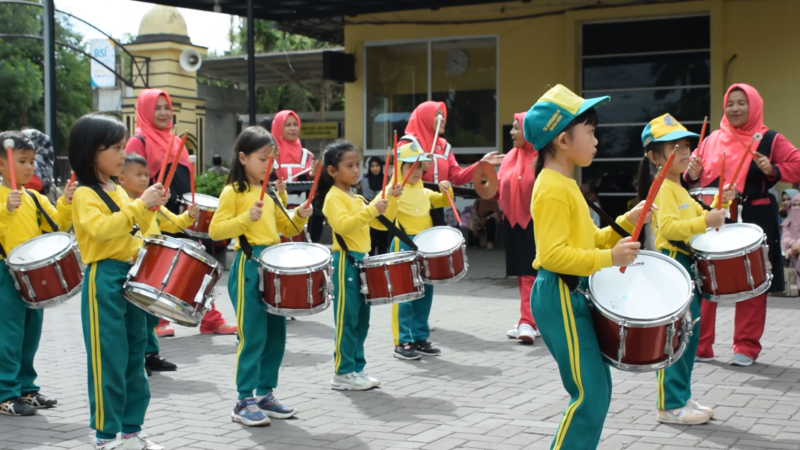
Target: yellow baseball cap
[664, 129]
[408, 153]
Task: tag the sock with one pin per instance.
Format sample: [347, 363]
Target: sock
[129, 435]
[261, 397]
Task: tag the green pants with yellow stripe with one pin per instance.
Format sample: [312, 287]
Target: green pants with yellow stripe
[410, 319]
[152, 346]
[115, 336]
[262, 336]
[20, 330]
[675, 382]
[566, 325]
[351, 315]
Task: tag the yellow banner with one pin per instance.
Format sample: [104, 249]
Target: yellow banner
[319, 130]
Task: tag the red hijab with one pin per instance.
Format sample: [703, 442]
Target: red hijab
[516, 181]
[727, 138]
[291, 151]
[421, 123]
[156, 142]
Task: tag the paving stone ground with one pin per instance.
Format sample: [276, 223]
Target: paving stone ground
[483, 392]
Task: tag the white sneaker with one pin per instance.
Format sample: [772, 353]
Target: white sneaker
[683, 416]
[512, 333]
[703, 358]
[350, 382]
[704, 409]
[741, 360]
[526, 333]
[113, 444]
[139, 441]
[372, 380]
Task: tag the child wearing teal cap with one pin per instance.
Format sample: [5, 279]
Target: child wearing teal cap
[570, 248]
[677, 219]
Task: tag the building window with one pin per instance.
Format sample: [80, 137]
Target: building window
[462, 73]
[646, 77]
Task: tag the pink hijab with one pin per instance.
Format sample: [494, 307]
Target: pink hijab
[291, 151]
[725, 140]
[156, 142]
[516, 181]
[420, 124]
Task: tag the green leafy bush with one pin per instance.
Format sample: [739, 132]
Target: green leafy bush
[210, 183]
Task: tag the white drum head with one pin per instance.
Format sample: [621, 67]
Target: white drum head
[40, 248]
[203, 200]
[653, 287]
[294, 255]
[438, 240]
[729, 238]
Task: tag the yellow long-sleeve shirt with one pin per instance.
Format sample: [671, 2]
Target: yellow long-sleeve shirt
[679, 217]
[567, 241]
[175, 224]
[102, 234]
[26, 222]
[351, 218]
[414, 208]
[232, 219]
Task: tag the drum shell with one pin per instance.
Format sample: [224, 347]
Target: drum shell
[731, 273]
[199, 228]
[295, 292]
[302, 237]
[402, 275]
[46, 282]
[436, 269]
[156, 264]
[643, 346]
[706, 196]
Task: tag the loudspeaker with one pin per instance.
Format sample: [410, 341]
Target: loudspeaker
[190, 60]
[338, 66]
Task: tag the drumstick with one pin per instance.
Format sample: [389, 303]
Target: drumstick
[163, 170]
[175, 160]
[302, 172]
[313, 187]
[651, 196]
[192, 159]
[266, 177]
[395, 154]
[741, 162]
[280, 167]
[386, 171]
[71, 180]
[702, 132]
[413, 166]
[453, 205]
[721, 182]
[9, 145]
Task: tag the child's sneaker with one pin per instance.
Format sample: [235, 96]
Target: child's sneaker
[248, 413]
[682, 416]
[703, 409]
[38, 400]
[372, 380]
[274, 408]
[406, 351]
[155, 363]
[350, 382]
[108, 444]
[16, 407]
[138, 441]
[426, 348]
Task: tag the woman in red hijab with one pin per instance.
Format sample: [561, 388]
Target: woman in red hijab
[294, 158]
[776, 159]
[514, 196]
[152, 139]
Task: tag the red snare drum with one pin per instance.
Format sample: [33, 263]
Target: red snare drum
[732, 263]
[49, 268]
[642, 317]
[295, 279]
[706, 196]
[173, 279]
[442, 255]
[208, 206]
[302, 237]
[391, 278]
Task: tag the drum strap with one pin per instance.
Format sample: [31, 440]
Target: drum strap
[110, 204]
[49, 220]
[247, 249]
[274, 196]
[708, 208]
[2, 252]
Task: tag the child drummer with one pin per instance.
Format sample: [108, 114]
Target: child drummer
[21, 327]
[677, 219]
[135, 178]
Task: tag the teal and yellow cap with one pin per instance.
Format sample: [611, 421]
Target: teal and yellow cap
[553, 112]
[664, 129]
[408, 154]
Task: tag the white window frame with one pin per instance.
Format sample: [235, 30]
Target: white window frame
[429, 41]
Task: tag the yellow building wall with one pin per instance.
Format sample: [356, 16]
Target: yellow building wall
[537, 53]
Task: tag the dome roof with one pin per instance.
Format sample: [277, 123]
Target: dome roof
[163, 23]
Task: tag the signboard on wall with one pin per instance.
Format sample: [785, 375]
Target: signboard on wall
[103, 50]
[319, 130]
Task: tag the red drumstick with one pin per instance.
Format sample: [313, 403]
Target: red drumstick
[453, 205]
[9, 145]
[71, 180]
[741, 161]
[266, 177]
[702, 132]
[395, 155]
[385, 172]
[721, 182]
[413, 166]
[314, 186]
[163, 170]
[192, 159]
[175, 160]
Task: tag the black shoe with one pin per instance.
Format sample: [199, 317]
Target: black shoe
[158, 364]
[148, 371]
[16, 407]
[425, 348]
[406, 351]
[38, 400]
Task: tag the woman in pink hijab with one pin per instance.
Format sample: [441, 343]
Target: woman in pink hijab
[514, 197]
[775, 159]
[790, 236]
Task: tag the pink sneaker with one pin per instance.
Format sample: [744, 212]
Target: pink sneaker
[165, 330]
[222, 329]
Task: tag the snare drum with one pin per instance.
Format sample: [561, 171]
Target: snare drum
[732, 264]
[173, 279]
[295, 279]
[706, 196]
[391, 278]
[208, 206]
[442, 255]
[47, 269]
[302, 237]
[642, 317]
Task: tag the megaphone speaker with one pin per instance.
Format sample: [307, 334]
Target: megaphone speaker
[190, 60]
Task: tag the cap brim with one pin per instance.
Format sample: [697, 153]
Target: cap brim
[675, 135]
[411, 159]
[592, 103]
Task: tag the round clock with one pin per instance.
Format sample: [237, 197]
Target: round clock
[457, 62]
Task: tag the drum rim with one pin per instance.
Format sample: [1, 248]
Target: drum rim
[390, 258]
[652, 367]
[708, 191]
[295, 271]
[142, 289]
[170, 242]
[646, 323]
[57, 300]
[703, 254]
[186, 199]
[449, 251]
[293, 312]
[196, 234]
[740, 296]
[396, 299]
[73, 244]
[445, 281]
